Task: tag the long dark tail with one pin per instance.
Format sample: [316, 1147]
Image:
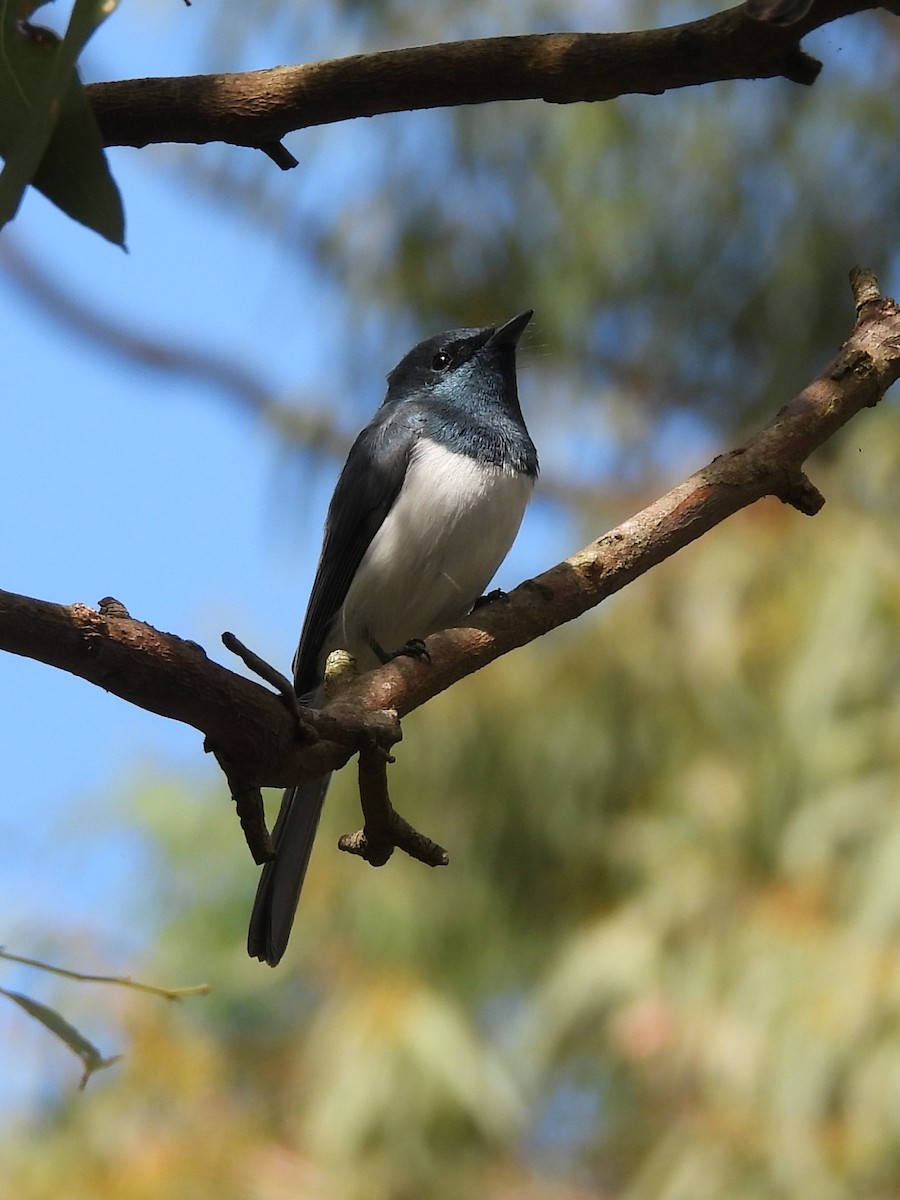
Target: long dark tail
[282, 878]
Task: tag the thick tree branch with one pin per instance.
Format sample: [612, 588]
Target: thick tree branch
[258, 108]
[254, 734]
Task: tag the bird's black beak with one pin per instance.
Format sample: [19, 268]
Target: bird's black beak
[509, 334]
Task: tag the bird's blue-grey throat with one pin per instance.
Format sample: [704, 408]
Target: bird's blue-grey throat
[425, 510]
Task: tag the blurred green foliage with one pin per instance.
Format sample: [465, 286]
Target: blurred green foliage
[664, 962]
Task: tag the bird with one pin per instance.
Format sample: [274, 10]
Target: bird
[425, 510]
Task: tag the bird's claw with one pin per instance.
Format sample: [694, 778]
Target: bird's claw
[414, 648]
[491, 597]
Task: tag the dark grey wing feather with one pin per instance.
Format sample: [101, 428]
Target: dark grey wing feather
[368, 486]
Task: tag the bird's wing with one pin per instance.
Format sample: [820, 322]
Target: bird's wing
[368, 486]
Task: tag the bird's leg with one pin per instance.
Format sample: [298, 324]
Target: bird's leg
[414, 648]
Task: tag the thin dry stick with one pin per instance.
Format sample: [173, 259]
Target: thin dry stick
[200, 989]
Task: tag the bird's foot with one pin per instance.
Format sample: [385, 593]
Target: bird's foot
[414, 648]
[489, 598]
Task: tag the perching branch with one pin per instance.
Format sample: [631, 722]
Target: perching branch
[255, 735]
[258, 108]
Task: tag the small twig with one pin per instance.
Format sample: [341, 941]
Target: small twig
[251, 811]
[376, 808]
[384, 827]
[247, 797]
[200, 989]
[260, 667]
[280, 155]
[274, 677]
[864, 285]
[801, 493]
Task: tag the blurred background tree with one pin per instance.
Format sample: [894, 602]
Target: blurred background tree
[664, 960]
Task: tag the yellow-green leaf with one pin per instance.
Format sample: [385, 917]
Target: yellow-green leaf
[90, 1056]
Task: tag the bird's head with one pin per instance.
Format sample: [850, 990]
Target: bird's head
[460, 365]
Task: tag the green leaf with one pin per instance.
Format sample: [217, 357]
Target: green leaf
[74, 173]
[90, 1056]
[48, 135]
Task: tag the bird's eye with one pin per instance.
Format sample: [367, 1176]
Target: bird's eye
[441, 361]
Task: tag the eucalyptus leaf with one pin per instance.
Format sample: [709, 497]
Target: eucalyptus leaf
[90, 1056]
[48, 135]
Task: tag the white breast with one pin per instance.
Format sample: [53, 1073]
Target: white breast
[450, 528]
